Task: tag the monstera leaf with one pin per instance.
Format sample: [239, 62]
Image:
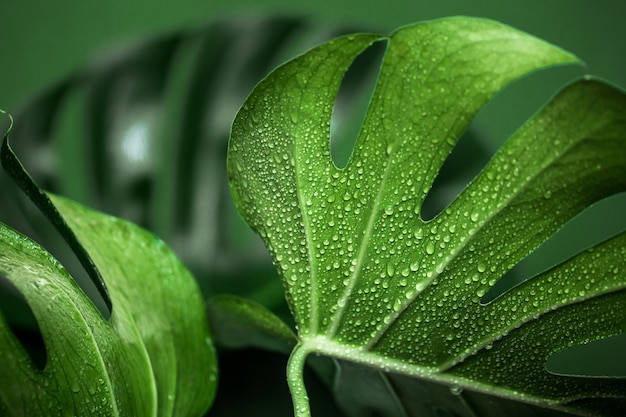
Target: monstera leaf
[152, 357]
[369, 282]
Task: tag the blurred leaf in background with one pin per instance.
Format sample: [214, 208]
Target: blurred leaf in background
[141, 133]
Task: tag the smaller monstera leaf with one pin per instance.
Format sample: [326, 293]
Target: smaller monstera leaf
[369, 281]
[153, 357]
[238, 322]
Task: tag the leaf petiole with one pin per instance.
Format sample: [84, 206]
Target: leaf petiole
[295, 379]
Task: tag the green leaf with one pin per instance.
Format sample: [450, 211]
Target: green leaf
[153, 357]
[369, 281]
[237, 322]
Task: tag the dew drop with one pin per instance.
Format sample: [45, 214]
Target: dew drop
[482, 290]
[430, 248]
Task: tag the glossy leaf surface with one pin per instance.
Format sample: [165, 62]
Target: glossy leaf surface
[369, 281]
[153, 357]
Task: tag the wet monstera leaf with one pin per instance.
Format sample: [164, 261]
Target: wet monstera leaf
[384, 292]
[153, 356]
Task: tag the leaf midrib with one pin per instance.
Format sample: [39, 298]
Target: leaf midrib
[363, 246]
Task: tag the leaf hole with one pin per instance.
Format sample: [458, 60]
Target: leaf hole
[593, 225]
[604, 357]
[36, 141]
[352, 101]
[499, 118]
[34, 224]
[22, 323]
[465, 161]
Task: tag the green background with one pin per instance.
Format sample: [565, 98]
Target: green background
[42, 40]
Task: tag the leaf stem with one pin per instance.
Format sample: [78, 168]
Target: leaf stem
[295, 380]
